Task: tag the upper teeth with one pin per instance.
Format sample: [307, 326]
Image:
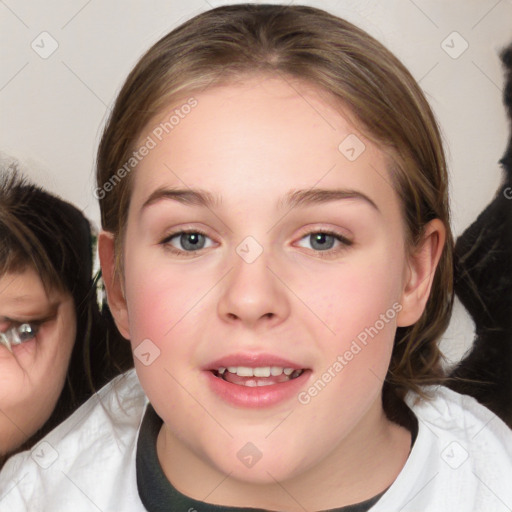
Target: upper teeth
[261, 371]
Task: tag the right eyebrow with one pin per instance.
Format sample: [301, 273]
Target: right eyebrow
[196, 197]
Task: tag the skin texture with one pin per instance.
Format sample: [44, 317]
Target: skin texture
[250, 144]
[32, 377]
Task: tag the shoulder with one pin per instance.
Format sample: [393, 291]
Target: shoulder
[450, 413]
[467, 434]
[91, 447]
[461, 459]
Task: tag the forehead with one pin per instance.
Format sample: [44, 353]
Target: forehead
[257, 137]
[24, 289]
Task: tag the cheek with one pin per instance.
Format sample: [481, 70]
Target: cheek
[53, 354]
[160, 298]
[33, 381]
[352, 296]
[165, 309]
[355, 306]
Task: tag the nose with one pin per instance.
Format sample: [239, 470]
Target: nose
[253, 295]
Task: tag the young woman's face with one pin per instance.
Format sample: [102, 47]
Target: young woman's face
[32, 376]
[294, 258]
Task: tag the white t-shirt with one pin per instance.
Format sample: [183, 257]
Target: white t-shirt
[461, 459]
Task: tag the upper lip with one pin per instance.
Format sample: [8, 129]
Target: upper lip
[252, 360]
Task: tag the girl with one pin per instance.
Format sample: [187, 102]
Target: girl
[48, 312]
[277, 248]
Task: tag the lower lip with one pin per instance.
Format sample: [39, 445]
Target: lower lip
[256, 397]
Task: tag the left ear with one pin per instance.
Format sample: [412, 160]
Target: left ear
[422, 264]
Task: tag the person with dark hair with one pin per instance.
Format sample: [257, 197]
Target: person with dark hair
[483, 283]
[53, 337]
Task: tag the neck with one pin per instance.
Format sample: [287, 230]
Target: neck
[362, 465]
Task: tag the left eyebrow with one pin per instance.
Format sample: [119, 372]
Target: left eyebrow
[319, 196]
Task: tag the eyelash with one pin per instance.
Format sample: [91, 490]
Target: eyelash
[345, 242]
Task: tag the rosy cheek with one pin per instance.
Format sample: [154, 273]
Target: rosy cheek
[151, 317]
[163, 297]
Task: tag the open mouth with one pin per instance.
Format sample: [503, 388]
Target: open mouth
[255, 380]
[259, 376]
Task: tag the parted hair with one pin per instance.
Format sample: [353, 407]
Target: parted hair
[303, 43]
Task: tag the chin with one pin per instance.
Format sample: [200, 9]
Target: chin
[245, 462]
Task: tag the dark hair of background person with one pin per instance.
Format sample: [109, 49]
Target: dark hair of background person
[40, 231]
[483, 283]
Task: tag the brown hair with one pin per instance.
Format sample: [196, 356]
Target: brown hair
[313, 46]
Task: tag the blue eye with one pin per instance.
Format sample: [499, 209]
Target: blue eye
[26, 332]
[187, 241]
[324, 241]
[18, 334]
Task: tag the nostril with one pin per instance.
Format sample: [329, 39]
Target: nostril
[270, 316]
